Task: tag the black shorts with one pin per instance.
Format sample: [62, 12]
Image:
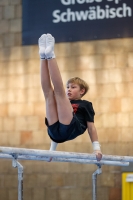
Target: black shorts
[60, 133]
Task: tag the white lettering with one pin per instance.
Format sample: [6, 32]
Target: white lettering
[63, 19]
[93, 13]
[116, 1]
[98, 1]
[118, 14]
[70, 15]
[69, 2]
[107, 11]
[89, 1]
[66, 2]
[73, 1]
[81, 1]
[56, 15]
[112, 13]
[127, 9]
[82, 15]
[100, 13]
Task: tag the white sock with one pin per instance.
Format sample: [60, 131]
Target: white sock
[53, 146]
[50, 41]
[42, 46]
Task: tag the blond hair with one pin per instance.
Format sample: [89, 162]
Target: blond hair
[82, 84]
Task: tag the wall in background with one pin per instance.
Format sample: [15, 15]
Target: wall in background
[107, 66]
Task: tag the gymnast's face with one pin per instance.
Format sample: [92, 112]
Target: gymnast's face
[74, 92]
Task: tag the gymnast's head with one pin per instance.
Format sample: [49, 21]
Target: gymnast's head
[80, 82]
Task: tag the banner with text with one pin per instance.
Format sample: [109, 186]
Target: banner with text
[76, 20]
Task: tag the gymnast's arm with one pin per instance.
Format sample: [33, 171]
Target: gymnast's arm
[94, 139]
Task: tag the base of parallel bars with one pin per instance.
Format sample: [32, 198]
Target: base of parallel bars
[15, 164]
[94, 182]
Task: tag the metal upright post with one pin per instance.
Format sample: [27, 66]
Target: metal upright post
[94, 182]
[15, 163]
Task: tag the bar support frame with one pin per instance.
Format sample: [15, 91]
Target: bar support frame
[94, 182]
[16, 164]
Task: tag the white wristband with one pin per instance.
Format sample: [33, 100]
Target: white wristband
[53, 146]
[96, 146]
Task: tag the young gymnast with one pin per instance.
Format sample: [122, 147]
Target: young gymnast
[67, 116]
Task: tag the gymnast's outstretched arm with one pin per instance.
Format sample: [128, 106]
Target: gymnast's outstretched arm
[94, 139]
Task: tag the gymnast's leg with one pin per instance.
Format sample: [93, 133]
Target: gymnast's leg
[51, 109]
[64, 108]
